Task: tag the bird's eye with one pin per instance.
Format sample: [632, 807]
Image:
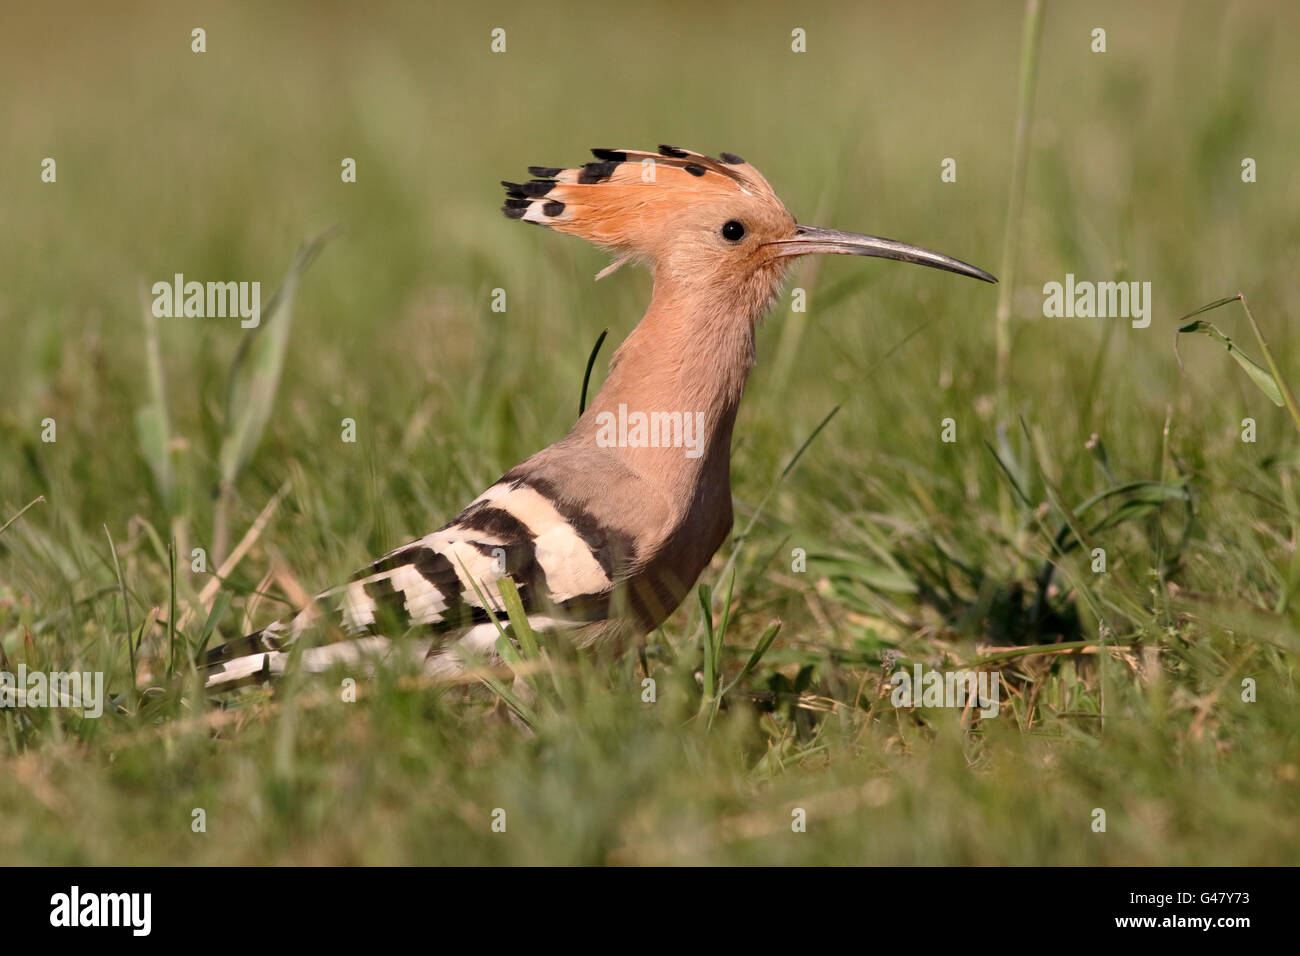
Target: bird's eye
[733, 230]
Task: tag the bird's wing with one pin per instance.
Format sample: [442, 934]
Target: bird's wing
[558, 562]
[563, 561]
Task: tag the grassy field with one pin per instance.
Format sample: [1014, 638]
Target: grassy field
[220, 165]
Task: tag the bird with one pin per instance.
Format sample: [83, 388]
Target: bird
[605, 531]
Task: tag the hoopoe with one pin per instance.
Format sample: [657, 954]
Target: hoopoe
[605, 531]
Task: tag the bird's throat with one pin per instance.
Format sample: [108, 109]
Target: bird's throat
[669, 403]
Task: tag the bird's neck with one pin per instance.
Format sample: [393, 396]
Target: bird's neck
[686, 361]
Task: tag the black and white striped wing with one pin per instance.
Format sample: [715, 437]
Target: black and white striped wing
[564, 565]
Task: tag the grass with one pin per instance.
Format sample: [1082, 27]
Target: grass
[882, 546]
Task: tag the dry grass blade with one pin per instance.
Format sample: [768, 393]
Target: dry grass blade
[246, 543]
[39, 499]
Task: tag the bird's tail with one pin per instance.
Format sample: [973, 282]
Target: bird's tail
[346, 624]
[264, 655]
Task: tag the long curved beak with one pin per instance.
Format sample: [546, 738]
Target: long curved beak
[811, 239]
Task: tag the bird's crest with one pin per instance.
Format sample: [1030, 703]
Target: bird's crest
[627, 193]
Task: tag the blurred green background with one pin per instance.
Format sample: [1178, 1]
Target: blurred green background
[218, 165]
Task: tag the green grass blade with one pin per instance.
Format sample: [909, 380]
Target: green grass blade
[255, 373]
[126, 601]
[1258, 374]
[761, 648]
[523, 631]
[705, 595]
[507, 652]
[152, 423]
[219, 606]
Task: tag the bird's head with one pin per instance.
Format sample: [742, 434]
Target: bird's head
[712, 226]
